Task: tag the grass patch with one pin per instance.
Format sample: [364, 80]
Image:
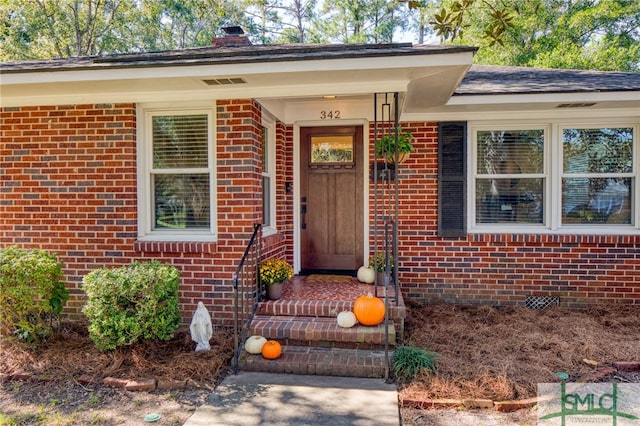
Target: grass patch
[408, 361]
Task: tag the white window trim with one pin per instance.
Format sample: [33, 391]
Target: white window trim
[553, 178]
[144, 113]
[270, 124]
[558, 154]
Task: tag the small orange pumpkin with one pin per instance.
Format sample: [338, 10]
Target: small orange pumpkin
[369, 309]
[272, 349]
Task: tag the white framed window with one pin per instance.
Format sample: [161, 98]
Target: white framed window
[553, 177]
[268, 175]
[510, 175]
[176, 190]
[598, 179]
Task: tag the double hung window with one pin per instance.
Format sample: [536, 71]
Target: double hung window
[177, 175]
[510, 179]
[597, 175]
[268, 175]
[554, 177]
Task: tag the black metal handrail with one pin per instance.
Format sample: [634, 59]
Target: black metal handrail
[386, 207]
[247, 292]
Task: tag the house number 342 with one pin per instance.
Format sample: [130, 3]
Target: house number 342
[329, 115]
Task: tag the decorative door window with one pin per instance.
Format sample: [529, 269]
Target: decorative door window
[332, 149]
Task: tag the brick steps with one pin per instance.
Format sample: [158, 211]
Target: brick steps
[305, 308]
[318, 308]
[321, 331]
[320, 361]
[304, 322]
[325, 309]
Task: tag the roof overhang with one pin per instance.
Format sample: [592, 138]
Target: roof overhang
[528, 106]
[502, 92]
[437, 71]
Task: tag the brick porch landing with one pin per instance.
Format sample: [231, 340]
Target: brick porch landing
[304, 322]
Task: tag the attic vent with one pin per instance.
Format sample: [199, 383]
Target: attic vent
[576, 105]
[225, 81]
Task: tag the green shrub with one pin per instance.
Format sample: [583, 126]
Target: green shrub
[32, 294]
[408, 361]
[134, 302]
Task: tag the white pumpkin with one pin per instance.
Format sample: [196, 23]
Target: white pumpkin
[253, 345]
[346, 319]
[366, 275]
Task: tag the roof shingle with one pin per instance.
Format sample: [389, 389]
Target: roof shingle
[212, 55]
[494, 80]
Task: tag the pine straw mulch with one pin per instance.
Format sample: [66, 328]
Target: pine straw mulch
[483, 352]
[71, 354]
[501, 353]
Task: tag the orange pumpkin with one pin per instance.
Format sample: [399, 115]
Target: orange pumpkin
[272, 349]
[369, 310]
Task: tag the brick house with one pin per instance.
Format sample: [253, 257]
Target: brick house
[523, 182]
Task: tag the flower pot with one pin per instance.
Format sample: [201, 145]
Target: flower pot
[274, 291]
[402, 157]
[380, 277]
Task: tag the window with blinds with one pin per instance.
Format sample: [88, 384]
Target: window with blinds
[266, 179]
[597, 176]
[268, 174]
[180, 173]
[560, 176]
[510, 180]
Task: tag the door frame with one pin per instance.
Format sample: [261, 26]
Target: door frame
[297, 243]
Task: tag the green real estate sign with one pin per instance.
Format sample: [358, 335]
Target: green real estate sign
[602, 404]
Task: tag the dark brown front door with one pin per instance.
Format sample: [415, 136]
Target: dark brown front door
[331, 202]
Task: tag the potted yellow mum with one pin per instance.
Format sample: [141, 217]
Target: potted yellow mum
[378, 263]
[273, 273]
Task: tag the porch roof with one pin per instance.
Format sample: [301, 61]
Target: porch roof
[212, 55]
[437, 82]
[274, 73]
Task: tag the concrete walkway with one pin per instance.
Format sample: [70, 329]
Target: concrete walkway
[286, 399]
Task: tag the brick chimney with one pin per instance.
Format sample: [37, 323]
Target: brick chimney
[233, 36]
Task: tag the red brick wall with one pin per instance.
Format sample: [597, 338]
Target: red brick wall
[285, 199]
[280, 245]
[68, 186]
[501, 268]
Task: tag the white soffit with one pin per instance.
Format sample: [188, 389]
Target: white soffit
[263, 80]
[433, 89]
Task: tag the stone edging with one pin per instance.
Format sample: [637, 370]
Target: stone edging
[143, 384]
[501, 406]
[508, 406]
[127, 384]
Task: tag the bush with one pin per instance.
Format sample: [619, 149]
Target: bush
[408, 360]
[32, 294]
[135, 302]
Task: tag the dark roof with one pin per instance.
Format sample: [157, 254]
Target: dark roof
[492, 80]
[211, 55]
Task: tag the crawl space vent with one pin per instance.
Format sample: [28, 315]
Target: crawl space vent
[225, 81]
[541, 302]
